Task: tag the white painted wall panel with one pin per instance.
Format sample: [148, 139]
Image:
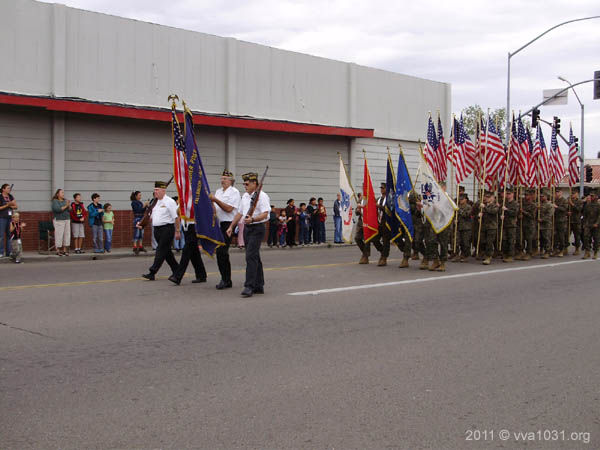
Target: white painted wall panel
[25, 156]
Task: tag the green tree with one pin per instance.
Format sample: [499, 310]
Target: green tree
[471, 114]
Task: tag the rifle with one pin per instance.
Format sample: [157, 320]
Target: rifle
[142, 223]
[256, 194]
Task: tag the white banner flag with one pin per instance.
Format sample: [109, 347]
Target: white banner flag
[438, 207]
[347, 204]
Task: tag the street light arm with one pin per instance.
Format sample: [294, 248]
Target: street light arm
[574, 91]
[548, 31]
[557, 94]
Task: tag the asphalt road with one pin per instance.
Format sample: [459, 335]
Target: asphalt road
[93, 357]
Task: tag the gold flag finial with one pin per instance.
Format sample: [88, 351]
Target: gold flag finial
[172, 99]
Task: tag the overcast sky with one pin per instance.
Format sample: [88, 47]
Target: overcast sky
[464, 43]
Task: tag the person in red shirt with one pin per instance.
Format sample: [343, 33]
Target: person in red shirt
[78, 217]
[322, 214]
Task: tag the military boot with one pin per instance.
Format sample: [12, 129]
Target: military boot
[463, 259]
[526, 257]
[536, 252]
[560, 254]
[576, 252]
[595, 255]
[434, 264]
[364, 259]
[404, 263]
[415, 256]
[382, 261]
[487, 261]
[508, 259]
[587, 255]
[519, 257]
[441, 267]
[545, 255]
[424, 264]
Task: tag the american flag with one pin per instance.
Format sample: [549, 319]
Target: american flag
[540, 159]
[442, 152]
[480, 149]
[556, 161]
[494, 156]
[532, 178]
[431, 149]
[464, 156]
[573, 160]
[512, 159]
[524, 154]
[181, 172]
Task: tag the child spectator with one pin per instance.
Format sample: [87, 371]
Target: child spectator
[322, 215]
[178, 244]
[139, 209]
[62, 222]
[108, 223]
[272, 237]
[95, 220]
[282, 227]
[16, 246]
[304, 238]
[78, 215]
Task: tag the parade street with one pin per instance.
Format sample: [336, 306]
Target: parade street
[334, 355]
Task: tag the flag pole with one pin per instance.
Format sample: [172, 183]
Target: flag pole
[453, 162]
[487, 128]
[506, 178]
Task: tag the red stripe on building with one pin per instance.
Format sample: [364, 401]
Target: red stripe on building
[133, 112]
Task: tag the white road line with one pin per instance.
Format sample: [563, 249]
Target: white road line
[434, 278]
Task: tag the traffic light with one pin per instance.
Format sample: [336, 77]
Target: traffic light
[535, 117]
[557, 124]
[597, 85]
[588, 174]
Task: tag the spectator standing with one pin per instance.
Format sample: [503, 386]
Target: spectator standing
[95, 213]
[313, 230]
[78, 215]
[139, 209]
[7, 204]
[304, 238]
[322, 217]
[282, 227]
[291, 213]
[337, 220]
[62, 220]
[178, 244]
[272, 237]
[108, 224]
[16, 245]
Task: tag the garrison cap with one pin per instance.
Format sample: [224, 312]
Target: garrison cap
[250, 176]
[383, 185]
[509, 190]
[488, 193]
[461, 189]
[227, 173]
[530, 191]
[463, 196]
[160, 184]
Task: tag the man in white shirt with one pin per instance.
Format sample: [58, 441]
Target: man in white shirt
[165, 222]
[227, 202]
[254, 233]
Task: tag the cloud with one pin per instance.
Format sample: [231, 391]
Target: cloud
[464, 43]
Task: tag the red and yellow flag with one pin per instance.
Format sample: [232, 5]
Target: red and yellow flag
[370, 223]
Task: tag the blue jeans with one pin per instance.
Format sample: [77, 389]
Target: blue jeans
[282, 238]
[4, 230]
[138, 235]
[178, 244]
[321, 232]
[108, 239]
[304, 238]
[97, 238]
[337, 222]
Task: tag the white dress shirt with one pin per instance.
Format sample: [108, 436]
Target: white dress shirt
[263, 205]
[231, 197]
[164, 212]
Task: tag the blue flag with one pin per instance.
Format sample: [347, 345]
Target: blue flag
[207, 226]
[402, 206]
[391, 220]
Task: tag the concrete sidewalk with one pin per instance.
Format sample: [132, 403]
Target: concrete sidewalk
[122, 252]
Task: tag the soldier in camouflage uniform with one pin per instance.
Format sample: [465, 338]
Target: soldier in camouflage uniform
[382, 240]
[575, 219]
[545, 220]
[529, 217]
[561, 240]
[404, 243]
[416, 212]
[508, 217]
[591, 224]
[365, 249]
[489, 225]
[475, 229]
[465, 228]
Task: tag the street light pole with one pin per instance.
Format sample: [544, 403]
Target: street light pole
[510, 55]
[581, 152]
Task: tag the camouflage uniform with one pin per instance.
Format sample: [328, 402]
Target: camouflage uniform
[489, 228]
[545, 220]
[417, 219]
[591, 226]
[509, 231]
[529, 212]
[465, 227]
[575, 222]
[359, 237]
[561, 240]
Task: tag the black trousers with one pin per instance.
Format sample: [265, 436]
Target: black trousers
[291, 233]
[253, 237]
[272, 237]
[316, 230]
[191, 253]
[223, 254]
[164, 235]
